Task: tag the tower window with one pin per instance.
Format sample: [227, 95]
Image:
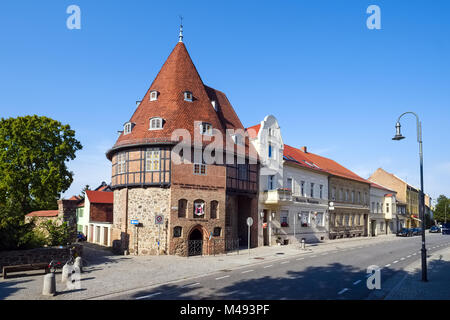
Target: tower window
[153, 95]
[188, 96]
[127, 128]
[206, 129]
[152, 158]
[156, 123]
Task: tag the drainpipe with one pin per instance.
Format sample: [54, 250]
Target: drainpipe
[126, 221]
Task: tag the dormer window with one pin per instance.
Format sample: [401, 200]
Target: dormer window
[188, 96]
[127, 127]
[206, 128]
[156, 123]
[153, 95]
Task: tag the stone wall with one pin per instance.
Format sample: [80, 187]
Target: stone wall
[39, 255]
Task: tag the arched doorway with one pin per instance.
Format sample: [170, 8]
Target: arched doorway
[195, 242]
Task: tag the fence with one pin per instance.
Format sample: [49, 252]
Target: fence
[212, 247]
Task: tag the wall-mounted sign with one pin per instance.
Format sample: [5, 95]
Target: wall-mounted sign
[249, 221]
[159, 219]
[264, 225]
[135, 222]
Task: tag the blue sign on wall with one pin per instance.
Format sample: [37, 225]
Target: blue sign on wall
[134, 221]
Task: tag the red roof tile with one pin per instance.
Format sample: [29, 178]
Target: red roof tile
[177, 75]
[298, 157]
[100, 196]
[43, 213]
[253, 131]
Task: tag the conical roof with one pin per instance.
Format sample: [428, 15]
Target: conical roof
[178, 75]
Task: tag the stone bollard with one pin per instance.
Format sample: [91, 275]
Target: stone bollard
[65, 273]
[303, 244]
[49, 288]
[78, 265]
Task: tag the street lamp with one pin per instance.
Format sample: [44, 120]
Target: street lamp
[398, 136]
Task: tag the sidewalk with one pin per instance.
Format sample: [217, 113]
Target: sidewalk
[438, 286]
[107, 275]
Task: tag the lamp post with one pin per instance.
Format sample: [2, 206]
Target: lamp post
[398, 136]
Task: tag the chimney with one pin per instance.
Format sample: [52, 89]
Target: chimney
[304, 149]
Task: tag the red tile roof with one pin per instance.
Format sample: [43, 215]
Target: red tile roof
[100, 196]
[75, 198]
[253, 131]
[177, 75]
[43, 213]
[298, 157]
[323, 164]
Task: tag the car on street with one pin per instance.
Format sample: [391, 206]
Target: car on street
[435, 229]
[416, 231]
[405, 232]
[446, 228]
[81, 237]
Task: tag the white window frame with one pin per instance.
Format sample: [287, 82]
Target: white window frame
[153, 95]
[154, 121]
[121, 162]
[321, 191]
[152, 160]
[206, 129]
[311, 190]
[188, 96]
[322, 220]
[127, 127]
[271, 182]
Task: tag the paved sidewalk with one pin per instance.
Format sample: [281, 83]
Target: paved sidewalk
[410, 287]
[107, 275]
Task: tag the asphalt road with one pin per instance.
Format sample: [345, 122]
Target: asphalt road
[335, 274]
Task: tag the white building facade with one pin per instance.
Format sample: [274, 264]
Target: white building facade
[293, 197]
[383, 211]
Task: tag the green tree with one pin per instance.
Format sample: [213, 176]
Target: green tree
[33, 155]
[59, 234]
[442, 210]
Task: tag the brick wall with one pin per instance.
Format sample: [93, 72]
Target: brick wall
[101, 212]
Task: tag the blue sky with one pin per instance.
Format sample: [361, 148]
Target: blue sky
[334, 85]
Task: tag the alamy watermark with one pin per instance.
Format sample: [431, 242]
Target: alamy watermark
[374, 20]
[74, 20]
[374, 278]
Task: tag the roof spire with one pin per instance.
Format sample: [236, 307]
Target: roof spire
[181, 30]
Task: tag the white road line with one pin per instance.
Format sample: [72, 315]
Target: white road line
[191, 285]
[402, 259]
[268, 266]
[299, 259]
[388, 265]
[414, 254]
[343, 290]
[313, 256]
[395, 261]
[356, 282]
[219, 278]
[247, 271]
[409, 256]
[284, 262]
[148, 296]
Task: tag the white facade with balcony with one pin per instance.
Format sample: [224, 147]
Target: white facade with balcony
[284, 212]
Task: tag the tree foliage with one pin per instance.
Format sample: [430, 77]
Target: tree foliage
[33, 155]
[442, 209]
[59, 234]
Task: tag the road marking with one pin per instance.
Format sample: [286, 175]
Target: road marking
[414, 254]
[299, 259]
[268, 266]
[402, 259]
[324, 254]
[343, 290]
[247, 271]
[219, 278]
[313, 256]
[191, 285]
[148, 296]
[409, 256]
[285, 262]
[388, 265]
[356, 282]
[395, 261]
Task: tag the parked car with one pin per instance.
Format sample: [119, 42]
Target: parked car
[81, 236]
[417, 231]
[446, 228]
[435, 229]
[405, 232]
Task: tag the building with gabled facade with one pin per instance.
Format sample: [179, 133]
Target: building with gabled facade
[160, 169]
[293, 195]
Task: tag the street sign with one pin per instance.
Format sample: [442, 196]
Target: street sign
[135, 222]
[249, 221]
[159, 219]
[264, 225]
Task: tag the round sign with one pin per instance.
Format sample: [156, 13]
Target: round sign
[249, 221]
[159, 219]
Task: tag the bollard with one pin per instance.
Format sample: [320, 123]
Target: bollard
[65, 273]
[303, 243]
[49, 288]
[78, 264]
